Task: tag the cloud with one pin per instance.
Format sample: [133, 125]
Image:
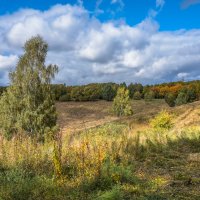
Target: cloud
[119, 2]
[160, 3]
[159, 6]
[187, 3]
[88, 50]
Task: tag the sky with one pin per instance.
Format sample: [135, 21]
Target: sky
[146, 41]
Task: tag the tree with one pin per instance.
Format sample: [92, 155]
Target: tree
[149, 96]
[133, 88]
[137, 95]
[121, 104]
[28, 104]
[123, 85]
[191, 95]
[170, 99]
[181, 99]
[108, 92]
[59, 90]
[77, 93]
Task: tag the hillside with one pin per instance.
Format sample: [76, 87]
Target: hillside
[77, 116]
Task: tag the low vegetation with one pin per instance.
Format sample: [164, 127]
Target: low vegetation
[109, 162]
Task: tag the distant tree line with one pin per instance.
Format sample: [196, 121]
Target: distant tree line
[174, 93]
[2, 89]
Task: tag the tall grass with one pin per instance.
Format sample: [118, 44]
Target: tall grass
[101, 163]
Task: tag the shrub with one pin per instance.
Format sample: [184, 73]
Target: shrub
[77, 94]
[149, 96]
[137, 87]
[58, 90]
[137, 96]
[64, 98]
[170, 99]
[91, 93]
[181, 99]
[108, 92]
[162, 121]
[191, 95]
[121, 105]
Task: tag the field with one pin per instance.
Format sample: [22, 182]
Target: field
[78, 116]
[99, 156]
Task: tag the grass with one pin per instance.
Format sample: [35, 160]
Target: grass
[112, 161]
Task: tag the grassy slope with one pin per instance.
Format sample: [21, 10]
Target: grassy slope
[112, 161]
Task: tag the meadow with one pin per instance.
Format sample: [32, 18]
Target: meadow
[100, 156]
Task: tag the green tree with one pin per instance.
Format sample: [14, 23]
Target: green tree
[108, 92]
[181, 99]
[191, 95]
[170, 99]
[137, 95]
[77, 93]
[149, 96]
[28, 104]
[59, 90]
[121, 104]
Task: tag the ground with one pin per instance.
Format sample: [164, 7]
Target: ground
[77, 116]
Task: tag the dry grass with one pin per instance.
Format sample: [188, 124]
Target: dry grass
[77, 116]
[108, 162]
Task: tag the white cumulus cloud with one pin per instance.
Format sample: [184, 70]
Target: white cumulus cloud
[88, 50]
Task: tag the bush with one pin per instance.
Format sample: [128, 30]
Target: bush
[170, 99]
[108, 92]
[121, 104]
[191, 95]
[64, 98]
[149, 96]
[162, 121]
[137, 96]
[77, 94]
[181, 99]
[58, 90]
[91, 93]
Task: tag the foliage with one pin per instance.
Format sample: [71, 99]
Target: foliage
[77, 94]
[91, 93]
[28, 104]
[149, 96]
[182, 98]
[2, 89]
[121, 103]
[163, 121]
[102, 167]
[137, 96]
[133, 88]
[170, 99]
[108, 92]
[64, 98]
[59, 90]
[192, 96]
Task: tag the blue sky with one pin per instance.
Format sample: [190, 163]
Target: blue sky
[147, 41]
[172, 16]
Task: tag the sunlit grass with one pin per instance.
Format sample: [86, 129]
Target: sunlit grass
[109, 162]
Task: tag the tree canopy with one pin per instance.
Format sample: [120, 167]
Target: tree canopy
[28, 103]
